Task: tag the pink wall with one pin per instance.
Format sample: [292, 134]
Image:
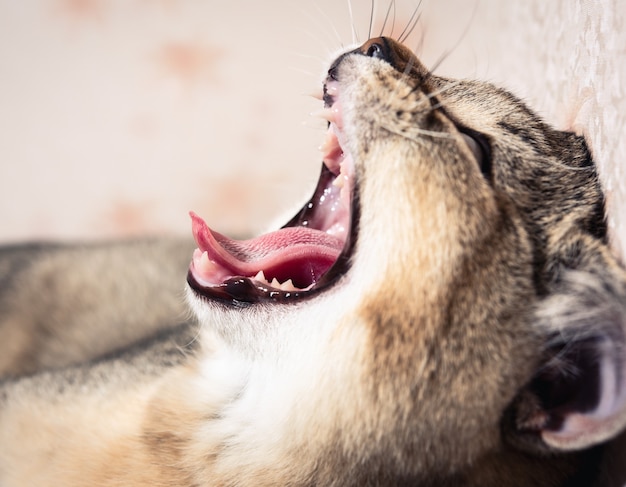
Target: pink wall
[119, 116]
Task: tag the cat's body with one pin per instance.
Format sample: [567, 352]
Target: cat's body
[445, 312]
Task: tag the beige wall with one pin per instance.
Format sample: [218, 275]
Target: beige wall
[119, 116]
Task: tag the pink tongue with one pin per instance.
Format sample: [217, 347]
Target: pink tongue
[297, 253]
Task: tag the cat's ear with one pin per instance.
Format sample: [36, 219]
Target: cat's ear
[577, 398]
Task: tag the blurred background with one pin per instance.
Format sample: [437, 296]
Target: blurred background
[117, 117]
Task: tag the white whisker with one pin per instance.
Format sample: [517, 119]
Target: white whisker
[304, 71]
[427, 133]
[448, 51]
[329, 22]
[355, 36]
[382, 30]
[415, 17]
[369, 32]
[443, 89]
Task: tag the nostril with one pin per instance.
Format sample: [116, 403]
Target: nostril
[378, 48]
[376, 51]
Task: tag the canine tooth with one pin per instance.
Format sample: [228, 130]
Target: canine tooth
[330, 143]
[260, 276]
[317, 93]
[326, 113]
[339, 181]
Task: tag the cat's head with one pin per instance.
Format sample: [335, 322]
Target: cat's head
[449, 283]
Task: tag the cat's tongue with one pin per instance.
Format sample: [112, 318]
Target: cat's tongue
[299, 254]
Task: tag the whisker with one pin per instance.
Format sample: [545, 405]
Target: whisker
[569, 168]
[420, 44]
[329, 21]
[393, 20]
[355, 35]
[433, 94]
[441, 59]
[410, 31]
[407, 70]
[188, 316]
[305, 72]
[428, 133]
[443, 89]
[382, 30]
[369, 32]
[562, 165]
[411, 23]
[436, 106]
[411, 63]
[449, 51]
[307, 56]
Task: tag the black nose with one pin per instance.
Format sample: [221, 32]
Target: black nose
[392, 53]
[377, 48]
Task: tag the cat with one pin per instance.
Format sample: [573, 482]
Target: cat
[444, 311]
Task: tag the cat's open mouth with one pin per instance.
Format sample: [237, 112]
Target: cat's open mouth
[308, 254]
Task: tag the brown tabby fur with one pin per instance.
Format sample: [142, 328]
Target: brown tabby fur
[452, 351]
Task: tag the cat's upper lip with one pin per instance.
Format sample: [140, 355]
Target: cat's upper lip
[303, 257]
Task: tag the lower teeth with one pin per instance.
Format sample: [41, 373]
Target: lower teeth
[285, 286]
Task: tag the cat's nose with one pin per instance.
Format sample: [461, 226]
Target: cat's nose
[377, 48]
[396, 55]
[389, 51]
